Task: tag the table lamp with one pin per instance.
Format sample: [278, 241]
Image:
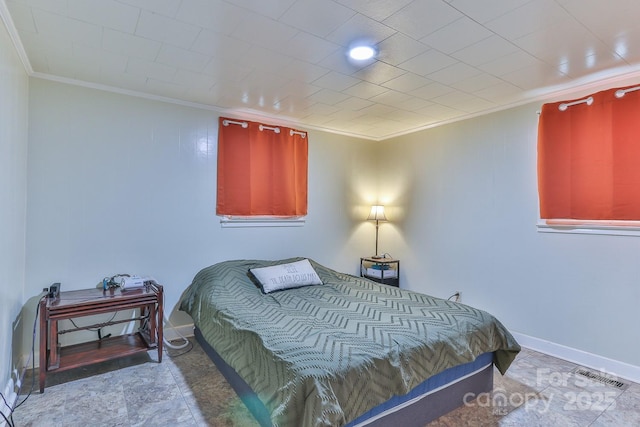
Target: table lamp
[377, 215]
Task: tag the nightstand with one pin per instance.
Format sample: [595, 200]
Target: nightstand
[381, 270]
[88, 302]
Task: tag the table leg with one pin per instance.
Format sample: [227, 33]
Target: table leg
[159, 323]
[54, 348]
[43, 343]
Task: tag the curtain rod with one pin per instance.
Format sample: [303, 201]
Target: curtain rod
[245, 125]
[622, 92]
[565, 105]
[619, 94]
[275, 129]
[226, 122]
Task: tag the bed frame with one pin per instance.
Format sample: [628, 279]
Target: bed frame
[415, 412]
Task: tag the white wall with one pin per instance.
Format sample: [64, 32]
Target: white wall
[13, 190]
[119, 184]
[465, 202]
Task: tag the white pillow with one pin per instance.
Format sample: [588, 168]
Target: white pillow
[286, 276]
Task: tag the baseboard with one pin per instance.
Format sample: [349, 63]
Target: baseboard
[580, 357]
[11, 392]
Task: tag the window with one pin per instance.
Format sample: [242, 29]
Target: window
[262, 171]
[588, 157]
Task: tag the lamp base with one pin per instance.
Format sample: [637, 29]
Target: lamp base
[377, 257]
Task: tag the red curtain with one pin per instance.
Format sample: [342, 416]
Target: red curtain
[589, 158]
[261, 172]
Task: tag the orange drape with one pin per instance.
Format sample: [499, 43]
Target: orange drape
[589, 159]
[261, 172]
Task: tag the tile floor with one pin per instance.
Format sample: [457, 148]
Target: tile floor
[188, 390]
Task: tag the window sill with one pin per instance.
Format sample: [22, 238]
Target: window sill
[245, 222]
[610, 228]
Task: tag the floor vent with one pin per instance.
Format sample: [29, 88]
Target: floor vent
[602, 378]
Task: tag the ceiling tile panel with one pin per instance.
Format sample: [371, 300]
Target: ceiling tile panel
[432, 90]
[142, 67]
[272, 9]
[484, 51]
[192, 79]
[509, 63]
[260, 59]
[414, 103]
[216, 15]
[454, 73]
[106, 62]
[462, 101]
[365, 90]
[537, 76]
[338, 61]
[528, 18]
[440, 112]
[129, 45]
[476, 83]
[391, 98]
[22, 16]
[428, 62]
[106, 13]
[422, 17]
[300, 71]
[316, 17]
[55, 6]
[379, 110]
[39, 49]
[359, 29]
[486, 10]
[297, 89]
[603, 18]
[233, 72]
[166, 30]
[335, 81]
[163, 7]
[68, 68]
[376, 9]
[182, 58]
[379, 73]
[327, 96]
[307, 47]
[123, 80]
[57, 27]
[572, 43]
[592, 64]
[262, 31]
[164, 88]
[400, 48]
[501, 93]
[457, 35]
[220, 46]
[406, 83]
[623, 44]
[353, 104]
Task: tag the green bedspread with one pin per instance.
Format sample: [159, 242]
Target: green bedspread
[323, 355]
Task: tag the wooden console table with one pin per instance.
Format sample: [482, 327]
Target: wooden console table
[88, 302]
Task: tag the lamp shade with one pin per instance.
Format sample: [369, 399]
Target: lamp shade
[377, 213]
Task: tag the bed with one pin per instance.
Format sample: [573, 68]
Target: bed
[346, 352]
